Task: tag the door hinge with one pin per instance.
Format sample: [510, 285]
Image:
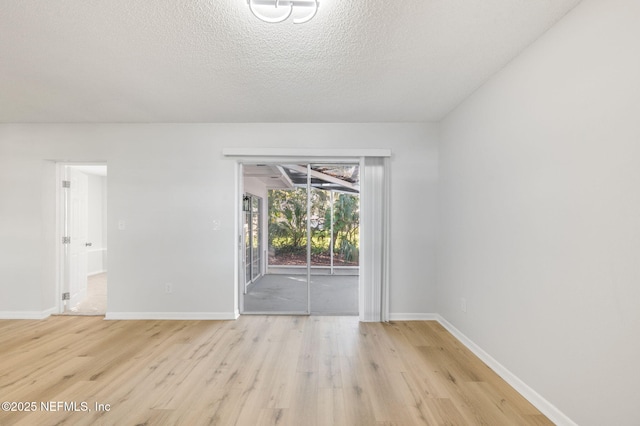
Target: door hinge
[66, 184]
[66, 296]
[66, 240]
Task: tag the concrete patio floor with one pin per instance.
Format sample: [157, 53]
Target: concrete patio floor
[330, 294]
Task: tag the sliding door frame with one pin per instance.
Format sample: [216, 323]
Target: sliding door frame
[255, 253]
[374, 253]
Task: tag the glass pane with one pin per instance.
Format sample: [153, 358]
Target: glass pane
[255, 238]
[320, 228]
[335, 224]
[288, 227]
[282, 286]
[247, 247]
[346, 230]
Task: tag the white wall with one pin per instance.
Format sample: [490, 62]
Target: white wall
[97, 224]
[168, 182]
[540, 215]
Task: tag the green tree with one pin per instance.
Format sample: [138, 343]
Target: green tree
[346, 225]
[288, 222]
[288, 218]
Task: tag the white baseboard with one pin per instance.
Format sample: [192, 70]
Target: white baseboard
[28, 315]
[413, 317]
[170, 316]
[547, 408]
[102, 271]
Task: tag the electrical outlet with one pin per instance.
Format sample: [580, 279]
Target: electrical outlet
[168, 288]
[121, 225]
[216, 225]
[463, 305]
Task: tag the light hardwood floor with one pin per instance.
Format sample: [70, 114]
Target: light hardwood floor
[257, 370]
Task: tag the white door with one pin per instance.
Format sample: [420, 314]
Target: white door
[77, 226]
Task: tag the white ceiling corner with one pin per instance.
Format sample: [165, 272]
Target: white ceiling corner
[212, 61]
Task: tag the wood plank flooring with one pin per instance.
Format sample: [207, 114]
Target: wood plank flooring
[258, 370]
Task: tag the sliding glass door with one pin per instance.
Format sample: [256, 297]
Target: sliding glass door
[308, 218]
[282, 287]
[252, 238]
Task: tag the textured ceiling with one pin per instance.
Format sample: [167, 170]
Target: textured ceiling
[212, 61]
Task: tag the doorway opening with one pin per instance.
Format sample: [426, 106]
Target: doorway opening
[83, 236]
[301, 235]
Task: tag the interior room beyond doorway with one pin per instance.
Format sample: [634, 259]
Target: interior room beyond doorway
[83, 201]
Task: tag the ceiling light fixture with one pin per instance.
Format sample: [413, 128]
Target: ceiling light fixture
[284, 9]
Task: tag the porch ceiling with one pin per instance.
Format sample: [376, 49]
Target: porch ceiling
[344, 178]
